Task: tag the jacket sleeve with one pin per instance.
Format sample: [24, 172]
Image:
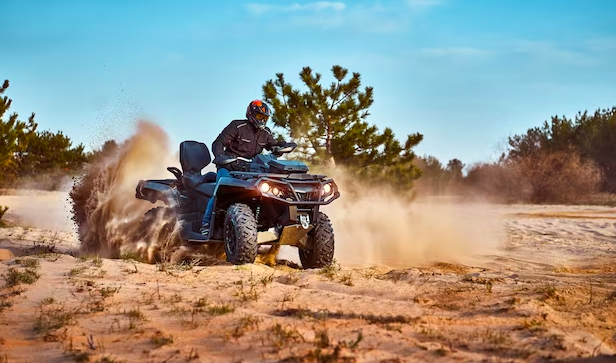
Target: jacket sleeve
[271, 142]
[224, 139]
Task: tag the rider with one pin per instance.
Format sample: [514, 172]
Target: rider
[241, 138]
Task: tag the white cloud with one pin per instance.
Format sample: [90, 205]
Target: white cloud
[313, 7]
[548, 52]
[324, 15]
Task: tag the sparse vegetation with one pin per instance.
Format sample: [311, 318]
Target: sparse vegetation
[346, 278]
[325, 314]
[192, 355]
[109, 291]
[3, 210]
[266, 280]
[79, 357]
[289, 279]
[488, 282]
[132, 257]
[330, 271]
[532, 325]
[176, 298]
[48, 301]
[286, 298]
[393, 275]
[220, 309]
[280, 336]
[77, 271]
[247, 292]
[51, 318]
[97, 298]
[134, 270]
[109, 359]
[367, 273]
[97, 261]
[326, 352]
[549, 291]
[30, 263]
[135, 317]
[14, 277]
[187, 317]
[5, 303]
[245, 323]
[159, 339]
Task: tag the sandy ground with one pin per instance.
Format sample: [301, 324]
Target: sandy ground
[548, 295]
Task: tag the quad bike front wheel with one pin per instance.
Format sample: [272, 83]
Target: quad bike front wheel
[240, 235]
[320, 251]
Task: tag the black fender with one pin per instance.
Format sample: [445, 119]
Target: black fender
[229, 183]
[153, 191]
[231, 189]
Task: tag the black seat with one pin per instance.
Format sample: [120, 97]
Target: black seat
[206, 189]
[209, 177]
[194, 156]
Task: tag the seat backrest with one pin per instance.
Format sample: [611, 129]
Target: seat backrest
[194, 156]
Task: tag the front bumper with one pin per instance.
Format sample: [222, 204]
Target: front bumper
[299, 192]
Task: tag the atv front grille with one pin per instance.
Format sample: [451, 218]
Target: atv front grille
[308, 196]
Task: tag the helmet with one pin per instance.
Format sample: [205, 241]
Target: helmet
[258, 113]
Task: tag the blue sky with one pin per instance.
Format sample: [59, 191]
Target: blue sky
[465, 73]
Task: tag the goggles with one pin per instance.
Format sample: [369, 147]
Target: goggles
[261, 118]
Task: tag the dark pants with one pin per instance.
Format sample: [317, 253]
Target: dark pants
[221, 173]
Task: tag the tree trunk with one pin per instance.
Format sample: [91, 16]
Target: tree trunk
[328, 143]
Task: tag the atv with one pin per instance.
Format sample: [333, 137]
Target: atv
[273, 202]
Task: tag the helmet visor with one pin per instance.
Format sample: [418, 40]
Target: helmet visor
[261, 118]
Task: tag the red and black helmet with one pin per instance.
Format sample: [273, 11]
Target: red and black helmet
[258, 112]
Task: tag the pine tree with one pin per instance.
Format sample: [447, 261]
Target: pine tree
[14, 137]
[455, 168]
[329, 123]
[48, 151]
[24, 151]
[593, 136]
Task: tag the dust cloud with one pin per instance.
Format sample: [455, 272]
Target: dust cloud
[105, 210]
[372, 227]
[376, 227]
[50, 211]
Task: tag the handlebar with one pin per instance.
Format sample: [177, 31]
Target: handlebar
[277, 150]
[224, 159]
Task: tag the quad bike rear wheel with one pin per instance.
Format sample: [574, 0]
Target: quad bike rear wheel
[240, 235]
[158, 228]
[320, 251]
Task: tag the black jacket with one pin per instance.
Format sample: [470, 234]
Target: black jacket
[240, 138]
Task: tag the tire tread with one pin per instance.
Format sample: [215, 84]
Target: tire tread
[322, 253]
[246, 234]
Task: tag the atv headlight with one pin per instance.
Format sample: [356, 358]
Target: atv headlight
[264, 187]
[273, 188]
[327, 188]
